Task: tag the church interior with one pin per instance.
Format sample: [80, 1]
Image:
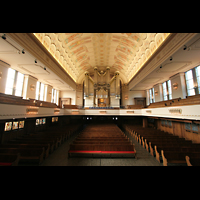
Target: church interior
[100, 97]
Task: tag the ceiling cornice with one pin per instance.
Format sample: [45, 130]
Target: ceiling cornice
[30, 43]
[169, 47]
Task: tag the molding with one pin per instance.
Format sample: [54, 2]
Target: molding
[4, 64]
[30, 43]
[30, 76]
[169, 47]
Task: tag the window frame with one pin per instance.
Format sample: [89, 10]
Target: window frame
[15, 83]
[192, 81]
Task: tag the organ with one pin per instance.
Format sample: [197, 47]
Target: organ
[99, 87]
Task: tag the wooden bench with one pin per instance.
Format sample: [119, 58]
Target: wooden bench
[57, 139]
[189, 100]
[21, 146]
[176, 158]
[102, 141]
[101, 150]
[175, 148]
[107, 154]
[26, 155]
[11, 99]
[70, 106]
[7, 159]
[52, 145]
[101, 147]
[135, 106]
[193, 161]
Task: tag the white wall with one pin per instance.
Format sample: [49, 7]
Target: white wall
[181, 90]
[3, 76]
[114, 102]
[159, 96]
[48, 92]
[30, 81]
[69, 94]
[89, 101]
[134, 94]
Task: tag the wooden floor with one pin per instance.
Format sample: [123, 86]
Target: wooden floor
[60, 158]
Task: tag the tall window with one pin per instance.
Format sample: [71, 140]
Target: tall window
[41, 91]
[151, 95]
[197, 70]
[39, 94]
[37, 90]
[57, 98]
[19, 84]
[169, 89]
[165, 91]
[14, 83]
[53, 96]
[189, 83]
[10, 81]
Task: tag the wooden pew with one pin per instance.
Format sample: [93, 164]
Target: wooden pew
[46, 104]
[52, 145]
[56, 139]
[7, 159]
[189, 100]
[103, 142]
[135, 106]
[11, 99]
[193, 160]
[25, 146]
[175, 148]
[101, 147]
[71, 106]
[176, 158]
[26, 155]
[109, 141]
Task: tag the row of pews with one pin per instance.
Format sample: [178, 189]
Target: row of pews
[189, 100]
[167, 148]
[15, 100]
[34, 148]
[102, 140]
[135, 106]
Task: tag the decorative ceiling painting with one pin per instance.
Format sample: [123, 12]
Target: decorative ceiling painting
[80, 52]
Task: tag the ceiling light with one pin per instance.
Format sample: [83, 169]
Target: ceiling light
[4, 36]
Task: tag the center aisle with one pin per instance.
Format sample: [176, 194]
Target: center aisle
[60, 158]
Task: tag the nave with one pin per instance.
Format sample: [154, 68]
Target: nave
[60, 157]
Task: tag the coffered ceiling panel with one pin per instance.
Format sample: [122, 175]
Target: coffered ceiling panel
[123, 52]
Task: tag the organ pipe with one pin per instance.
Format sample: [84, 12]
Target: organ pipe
[86, 88]
[117, 95]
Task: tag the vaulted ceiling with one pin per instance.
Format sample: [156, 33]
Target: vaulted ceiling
[80, 52]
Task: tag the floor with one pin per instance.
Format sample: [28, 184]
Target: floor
[60, 158]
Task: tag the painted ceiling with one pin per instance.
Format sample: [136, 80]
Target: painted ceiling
[80, 52]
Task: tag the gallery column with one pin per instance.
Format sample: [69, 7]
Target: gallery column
[86, 85]
[117, 95]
